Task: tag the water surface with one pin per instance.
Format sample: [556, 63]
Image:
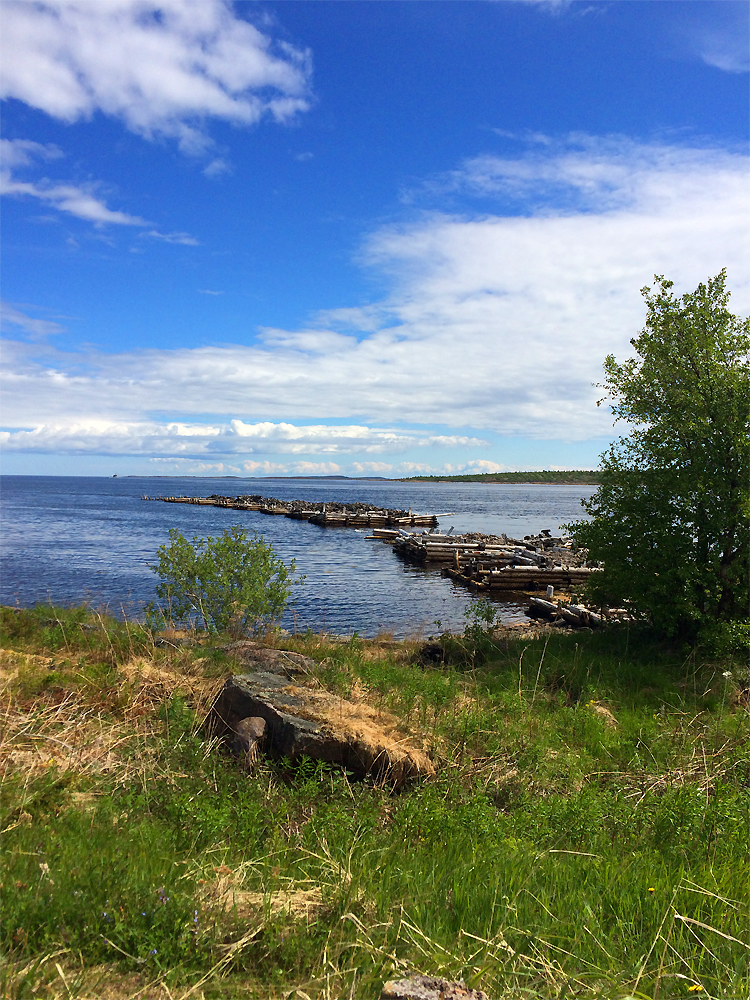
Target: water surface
[73, 539]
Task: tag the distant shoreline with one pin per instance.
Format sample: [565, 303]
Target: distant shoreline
[568, 477]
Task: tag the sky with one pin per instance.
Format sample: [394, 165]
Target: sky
[361, 237]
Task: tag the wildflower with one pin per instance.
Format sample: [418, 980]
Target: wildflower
[696, 988]
[651, 889]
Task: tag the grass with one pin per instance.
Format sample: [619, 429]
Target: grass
[587, 834]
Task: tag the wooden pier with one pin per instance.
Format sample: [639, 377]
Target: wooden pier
[482, 562]
[326, 515]
[489, 562]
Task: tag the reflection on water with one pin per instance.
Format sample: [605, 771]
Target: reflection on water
[68, 540]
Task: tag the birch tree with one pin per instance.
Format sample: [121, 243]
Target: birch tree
[671, 518]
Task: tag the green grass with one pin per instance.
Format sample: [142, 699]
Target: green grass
[587, 834]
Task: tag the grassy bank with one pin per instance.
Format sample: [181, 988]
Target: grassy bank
[587, 834]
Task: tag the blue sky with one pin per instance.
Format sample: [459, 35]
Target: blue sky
[367, 238]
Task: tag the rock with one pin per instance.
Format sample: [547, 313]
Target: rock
[248, 739]
[430, 654]
[304, 720]
[604, 714]
[255, 654]
[429, 988]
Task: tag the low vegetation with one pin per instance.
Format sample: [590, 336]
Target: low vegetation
[587, 834]
[573, 477]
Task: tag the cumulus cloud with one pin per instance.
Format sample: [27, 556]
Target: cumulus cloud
[163, 67]
[189, 467]
[110, 437]
[495, 323]
[317, 468]
[378, 467]
[265, 468]
[484, 465]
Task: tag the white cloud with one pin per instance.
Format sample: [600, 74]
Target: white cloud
[494, 323]
[23, 152]
[79, 201]
[182, 238]
[82, 201]
[265, 468]
[162, 67]
[718, 33]
[36, 328]
[378, 467]
[483, 465]
[217, 167]
[189, 467]
[209, 291]
[583, 173]
[112, 437]
[317, 468]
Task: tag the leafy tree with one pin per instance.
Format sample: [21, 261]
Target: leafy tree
[233, 583]
[671, 518]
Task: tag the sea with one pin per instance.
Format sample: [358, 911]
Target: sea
[68, 540]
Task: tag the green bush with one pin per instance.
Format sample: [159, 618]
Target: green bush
[234, 583]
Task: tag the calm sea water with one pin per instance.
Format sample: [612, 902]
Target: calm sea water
[73, 539]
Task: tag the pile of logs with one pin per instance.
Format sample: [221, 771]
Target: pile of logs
[483, 562]
[326, 514]
[492, 562]
[567, 615]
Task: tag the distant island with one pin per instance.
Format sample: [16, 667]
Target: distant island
[350, 478]
[572, 477]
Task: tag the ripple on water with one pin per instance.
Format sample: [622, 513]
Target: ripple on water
[73, 539]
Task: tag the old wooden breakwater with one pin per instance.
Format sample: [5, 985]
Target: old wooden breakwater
[491, 562]
[481, 562]
[327, 514]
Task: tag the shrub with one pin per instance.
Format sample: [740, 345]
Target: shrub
[234, 583]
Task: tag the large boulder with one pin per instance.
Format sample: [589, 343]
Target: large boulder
[302, 719]
[429, 988]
